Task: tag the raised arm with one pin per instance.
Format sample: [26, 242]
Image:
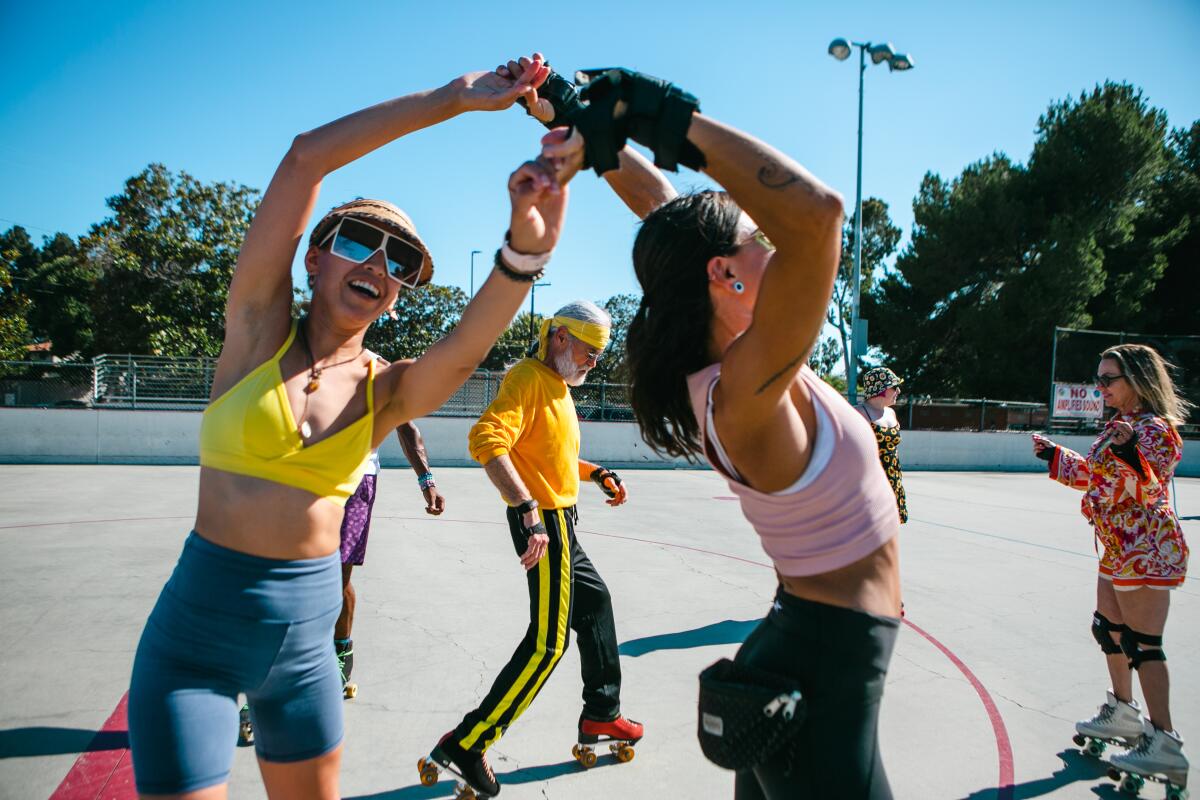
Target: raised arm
[539, 205]
[260, 294]
[802, 217]
[639, 184]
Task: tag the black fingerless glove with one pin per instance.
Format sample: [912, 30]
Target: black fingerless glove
[656, 114]
[563, 96]
[1047, 453]
[600, 476]
[1128, 453]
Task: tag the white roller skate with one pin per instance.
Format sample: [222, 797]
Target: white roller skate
[1157, 757]
[1117, 722]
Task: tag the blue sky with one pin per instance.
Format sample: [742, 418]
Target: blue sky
[92, 92]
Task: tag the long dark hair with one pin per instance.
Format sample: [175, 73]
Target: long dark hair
[668, 337]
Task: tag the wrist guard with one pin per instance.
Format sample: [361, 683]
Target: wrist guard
[608, 481]
[623, 104]
[564, 98]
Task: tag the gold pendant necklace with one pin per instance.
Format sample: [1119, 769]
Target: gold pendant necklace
[314, 377]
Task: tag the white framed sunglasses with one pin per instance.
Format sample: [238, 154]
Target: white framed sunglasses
[357, 241]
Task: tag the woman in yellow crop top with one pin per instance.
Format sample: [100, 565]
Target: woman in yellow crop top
[296, 408]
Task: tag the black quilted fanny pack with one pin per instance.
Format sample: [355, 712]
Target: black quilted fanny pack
[746, 714]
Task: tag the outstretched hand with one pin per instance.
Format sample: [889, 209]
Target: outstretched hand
[496, 91]
[539, 207]
[539, 108]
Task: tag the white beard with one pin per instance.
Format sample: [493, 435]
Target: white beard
[565, 366]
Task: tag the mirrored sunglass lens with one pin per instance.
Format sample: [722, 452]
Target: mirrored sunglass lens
[356, 241]
[404, 261]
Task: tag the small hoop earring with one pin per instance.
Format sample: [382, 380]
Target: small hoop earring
[739, 287]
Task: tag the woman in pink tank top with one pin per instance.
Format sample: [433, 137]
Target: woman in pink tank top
[735, 290]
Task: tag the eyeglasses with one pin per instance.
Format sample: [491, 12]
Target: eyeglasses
[591, 353]
[1108, 380]
[357, 241]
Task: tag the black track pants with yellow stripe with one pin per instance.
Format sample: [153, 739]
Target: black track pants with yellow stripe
[565, 593]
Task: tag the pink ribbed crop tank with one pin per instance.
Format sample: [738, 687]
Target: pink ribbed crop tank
[840, 514]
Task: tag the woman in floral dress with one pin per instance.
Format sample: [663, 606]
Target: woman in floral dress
[1126, 481]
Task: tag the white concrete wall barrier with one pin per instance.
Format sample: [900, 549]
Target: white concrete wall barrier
[87, 436]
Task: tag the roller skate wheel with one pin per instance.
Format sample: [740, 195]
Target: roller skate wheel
[350, 690]
[429, 772]
[1095, 748]
[1132, 784]
[1079, 739]
[1177, 793]
[465, 793]
[624, 753]
[1114, 774]
[587, 757]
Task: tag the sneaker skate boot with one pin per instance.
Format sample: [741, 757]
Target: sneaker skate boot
[1117, 722]
[621, 735]
[1157, 757]
[345, 657]
[475, 774]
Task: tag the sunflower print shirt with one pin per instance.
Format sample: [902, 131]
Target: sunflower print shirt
[1129, 505]
[888, 441]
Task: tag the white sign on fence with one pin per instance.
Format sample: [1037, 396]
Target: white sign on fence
[1077, 400]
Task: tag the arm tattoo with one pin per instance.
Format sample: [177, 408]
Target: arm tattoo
[779, 374]
[774, 175]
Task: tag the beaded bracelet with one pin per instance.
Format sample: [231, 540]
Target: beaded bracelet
[512, 274]
[426, 481]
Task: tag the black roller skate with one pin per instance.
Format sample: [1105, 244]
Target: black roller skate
[476, 777]
[245, 727]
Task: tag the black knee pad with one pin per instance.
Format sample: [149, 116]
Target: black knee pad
[1102, 627]
[1131, 642]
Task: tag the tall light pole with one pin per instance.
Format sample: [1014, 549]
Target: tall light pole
[840, 49]
[473, 254]
[532, 328]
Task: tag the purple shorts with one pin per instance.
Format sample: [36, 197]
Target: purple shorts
[357, 522]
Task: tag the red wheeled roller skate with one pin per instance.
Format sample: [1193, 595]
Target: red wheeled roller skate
[621, 735]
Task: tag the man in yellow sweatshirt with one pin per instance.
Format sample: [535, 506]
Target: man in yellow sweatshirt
[528, 444]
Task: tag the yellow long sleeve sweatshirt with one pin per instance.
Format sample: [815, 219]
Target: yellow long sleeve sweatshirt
[533, 420]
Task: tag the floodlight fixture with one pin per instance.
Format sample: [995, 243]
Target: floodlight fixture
[839, 49]
[881, 52]
[901, 62]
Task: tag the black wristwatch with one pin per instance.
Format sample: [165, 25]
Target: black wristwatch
[527, 506]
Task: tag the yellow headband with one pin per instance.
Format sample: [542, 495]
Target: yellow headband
[586, 332]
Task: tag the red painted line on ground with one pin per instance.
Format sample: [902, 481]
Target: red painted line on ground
[1003, 745]
[102, 774]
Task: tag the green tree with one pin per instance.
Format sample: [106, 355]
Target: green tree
[514, 343]
[17, 252]
[1005, 252]
[880, 237]
[163, 260]
[423, 316]
[611, 368]
[1174, 305]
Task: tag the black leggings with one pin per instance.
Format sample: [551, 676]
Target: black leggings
[840, 658]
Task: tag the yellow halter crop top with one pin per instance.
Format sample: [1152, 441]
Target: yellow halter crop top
[250, 430]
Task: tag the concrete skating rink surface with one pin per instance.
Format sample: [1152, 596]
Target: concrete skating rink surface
[994, 666]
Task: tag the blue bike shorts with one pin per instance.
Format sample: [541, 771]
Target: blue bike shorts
[229, 622]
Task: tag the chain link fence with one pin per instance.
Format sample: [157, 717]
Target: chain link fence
[157, 383]
[1076, 355]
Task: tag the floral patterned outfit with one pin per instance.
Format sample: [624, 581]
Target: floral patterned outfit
[1130, 506]
[888, 441]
